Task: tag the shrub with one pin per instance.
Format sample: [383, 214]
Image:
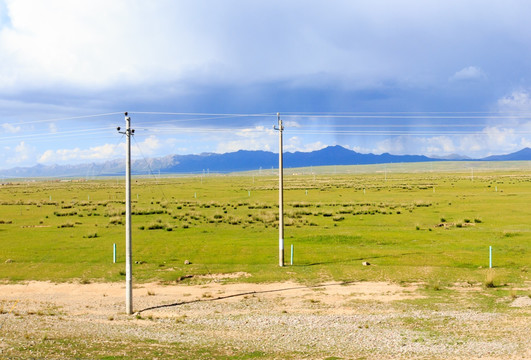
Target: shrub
[489, 280]
[66, 225]
[155, 226]
[116, 220]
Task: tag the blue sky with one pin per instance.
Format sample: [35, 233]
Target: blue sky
[417, 77]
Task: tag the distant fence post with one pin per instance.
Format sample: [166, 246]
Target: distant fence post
[490, 257]
[114, 253]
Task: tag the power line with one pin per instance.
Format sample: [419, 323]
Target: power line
[203, 114]
[413, 117]
[55, 134]
[64, 118]
[364, 115]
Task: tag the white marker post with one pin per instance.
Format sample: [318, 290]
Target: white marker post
[291, 254]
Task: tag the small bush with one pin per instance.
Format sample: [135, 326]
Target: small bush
[116, 220]
[489, 280]
[155, 226]
[66, 225]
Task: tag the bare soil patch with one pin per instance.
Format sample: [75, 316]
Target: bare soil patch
[276, 320]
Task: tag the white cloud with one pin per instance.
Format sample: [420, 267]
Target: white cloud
[296, 144]
[518, 100]
[10, 128]
[256, 132]
[470, 73]
[99, 153]
[439, 146]
[101, 43]
[52, 128]
[291, 124]
[147, 147]
[487, 141]
[96, 153]
[394, 145]
[98, 43]
[20, 155]
[257, 138]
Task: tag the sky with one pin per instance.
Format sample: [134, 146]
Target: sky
[405, 77]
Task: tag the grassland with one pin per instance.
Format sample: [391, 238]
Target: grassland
[425, 229]
[415, 226]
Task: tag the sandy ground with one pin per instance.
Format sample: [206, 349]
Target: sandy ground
[278, 320]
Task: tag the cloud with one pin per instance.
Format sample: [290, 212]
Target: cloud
[99, 44]
[257, 138]
[439, 145]
[291, 124]
[10, 128]
[20, 155]
[63, 58]
[470, 73]
[295, 143]
[147, 147]
[96, 153]
[104, 152]
[518, 100]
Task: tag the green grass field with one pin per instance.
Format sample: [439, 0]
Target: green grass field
[423, 222]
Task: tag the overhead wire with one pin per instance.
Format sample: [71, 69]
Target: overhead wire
[301, 128]
[65, 118]
[149, 167]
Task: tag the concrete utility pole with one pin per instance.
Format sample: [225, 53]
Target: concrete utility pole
[128, 247]
[280, 195]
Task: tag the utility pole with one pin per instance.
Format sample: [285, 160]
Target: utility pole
[280, 195]
[128, 248]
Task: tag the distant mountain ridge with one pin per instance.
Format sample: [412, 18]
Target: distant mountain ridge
[524, 154]
[242, 160]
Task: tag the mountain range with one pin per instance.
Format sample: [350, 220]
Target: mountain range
[242, 160]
